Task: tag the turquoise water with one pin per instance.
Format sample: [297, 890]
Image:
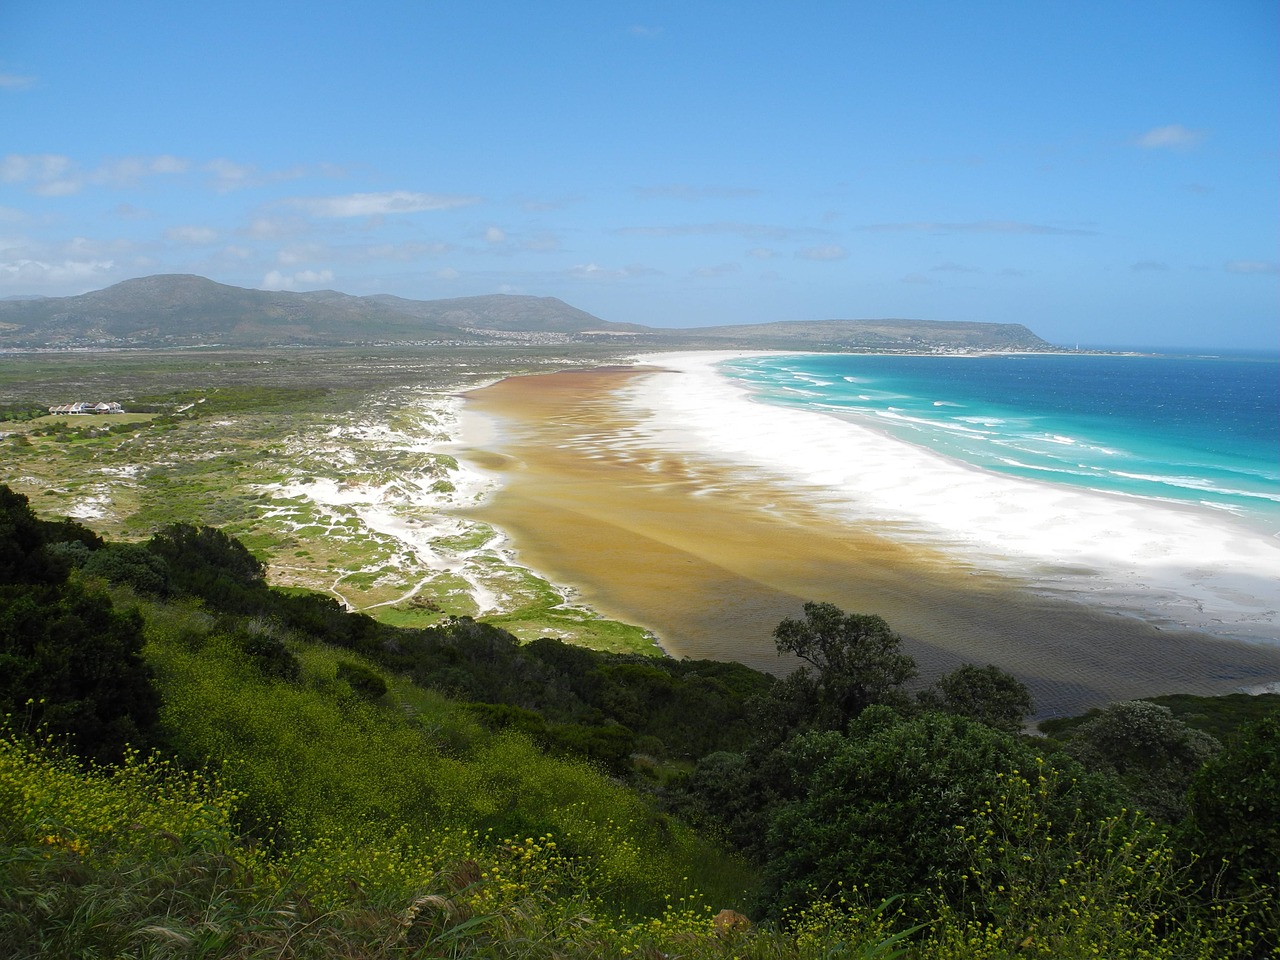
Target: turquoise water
[1198, 431]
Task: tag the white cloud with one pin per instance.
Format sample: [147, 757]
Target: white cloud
[829, 252]
[981, 226]
[11, 81]
[916, 278]
[20, 168]
[447, 273]
[643, 32]
[55, 175]
[10, 215]
[38, 273]
[228, 175]
[761, 253]
[684, 191]
[1253, 266]
[494, 235]
[748, 231]
[379, 204]
[593, 271]
[275, 280]
[191, 235]
[404, 251]
[1173, 137]
[129, 170]
[1149, 266]
[58, 188]
[953, 267]
[719, 270]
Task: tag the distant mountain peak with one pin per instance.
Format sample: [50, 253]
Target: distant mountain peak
[168, 310]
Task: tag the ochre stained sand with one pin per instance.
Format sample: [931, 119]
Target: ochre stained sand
[710, 557]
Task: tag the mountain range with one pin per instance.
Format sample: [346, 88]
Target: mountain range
[181, 310]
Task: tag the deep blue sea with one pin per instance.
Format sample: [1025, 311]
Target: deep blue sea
[1195, 430]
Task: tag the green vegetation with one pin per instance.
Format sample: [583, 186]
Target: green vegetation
[307, 457]
[323, 784]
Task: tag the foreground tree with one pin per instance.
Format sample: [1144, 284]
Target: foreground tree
[855, 660]
[986, 694]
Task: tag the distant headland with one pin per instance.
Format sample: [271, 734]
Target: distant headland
[181, 310]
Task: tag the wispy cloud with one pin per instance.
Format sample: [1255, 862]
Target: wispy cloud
[748, 231]
[39, 273]
[917, 278]
[1253, 266]
[719, 270]
[593, 271]
[228, 176]
[191, 235]
[11, 81]
[534, 205]
[381, 204]
[56, 175]
[684, 191]
[1173, 137]
[275, 280]
[1149, 266]
[981, 226]
[952, 267]
[828, 252]
[643, 32]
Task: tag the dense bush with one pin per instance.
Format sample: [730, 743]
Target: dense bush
[70, 662]
[887, 805]
[1152, 753]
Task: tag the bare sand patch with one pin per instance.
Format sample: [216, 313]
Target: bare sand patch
[711, 554]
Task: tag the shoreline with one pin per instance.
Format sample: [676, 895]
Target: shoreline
[618, 496]
[1166, 563]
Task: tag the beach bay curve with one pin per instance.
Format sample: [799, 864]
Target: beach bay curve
[665, 496]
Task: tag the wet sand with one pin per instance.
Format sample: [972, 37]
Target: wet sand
[710, 556]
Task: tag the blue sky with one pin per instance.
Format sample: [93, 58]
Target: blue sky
[1104, 172]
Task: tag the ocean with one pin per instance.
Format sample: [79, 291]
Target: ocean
[1197, 431]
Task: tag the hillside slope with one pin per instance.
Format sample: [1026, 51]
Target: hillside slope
[179, 310]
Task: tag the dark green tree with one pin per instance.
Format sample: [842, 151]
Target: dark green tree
[1233, 804]
[1151, 752]
[70, 663]
[204, 562]
[25, 540]
[855, 659]
[131, 564]
[986, 694]
[1233, 823]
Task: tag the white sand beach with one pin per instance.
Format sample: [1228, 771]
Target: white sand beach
[1169, 565]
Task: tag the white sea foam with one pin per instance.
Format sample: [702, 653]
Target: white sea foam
[1171, 563]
